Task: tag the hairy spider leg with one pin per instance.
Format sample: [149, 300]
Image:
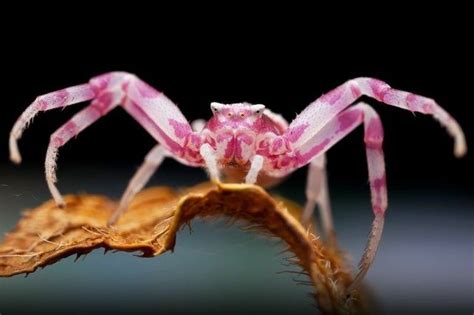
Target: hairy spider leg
[339, 127]
[61, 98]
[99, 107]
[151, 108]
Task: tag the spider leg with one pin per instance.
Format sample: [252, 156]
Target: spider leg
[317, 193]
[151, 108]
[255, 168]
[61, 98]
[333, 132]
[98, 108]
[198, 125]
[209, 156]
[153, 160]
[325, 108]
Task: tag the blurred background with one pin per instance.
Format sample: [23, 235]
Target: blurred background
[425, 263]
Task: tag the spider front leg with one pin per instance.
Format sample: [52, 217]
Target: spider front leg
[61, 98]
[333, 132]
[325, 108]
[151, 108]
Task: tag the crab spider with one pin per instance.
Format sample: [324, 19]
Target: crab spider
[242, 142]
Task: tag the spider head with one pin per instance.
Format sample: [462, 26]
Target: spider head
[238, 112]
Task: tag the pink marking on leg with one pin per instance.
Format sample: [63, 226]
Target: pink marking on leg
[146, 90]
[373, 135]
[347, 119]
[99, 107]
[124, 87]
[100, 82]
[103, 102]
[70, 128]
[428, 108]
[62, 95]
[379, 88]
[64, 134]
[378, 185]
[411, 101]
[181, 130]
[109, 80]
[56, 141]
[137, 112]
[330, 105]
[294, 133]
[333, 96]
[303, 159]
[42, 104]
[356, 93]
[418, 103]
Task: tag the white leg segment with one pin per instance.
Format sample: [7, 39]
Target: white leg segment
[152, 161]
[61, 98]
[209, 156]
[317, 193]
[255, 167]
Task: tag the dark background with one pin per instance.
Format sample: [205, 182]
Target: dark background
[285, 66]
[284, 61]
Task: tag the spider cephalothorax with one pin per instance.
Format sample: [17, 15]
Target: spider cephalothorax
[239, 132]
[242, 141]
[235, 130]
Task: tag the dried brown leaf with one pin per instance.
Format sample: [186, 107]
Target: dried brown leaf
[46, 234]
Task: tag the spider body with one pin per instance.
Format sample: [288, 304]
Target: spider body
[239, 132]
[243, 142]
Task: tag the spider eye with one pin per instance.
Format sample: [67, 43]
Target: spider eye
[258, 109]
[216, 107]
[242, 115]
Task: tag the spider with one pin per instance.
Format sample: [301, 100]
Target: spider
[242, 142]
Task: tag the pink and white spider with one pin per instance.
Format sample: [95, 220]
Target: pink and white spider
[242, 142]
